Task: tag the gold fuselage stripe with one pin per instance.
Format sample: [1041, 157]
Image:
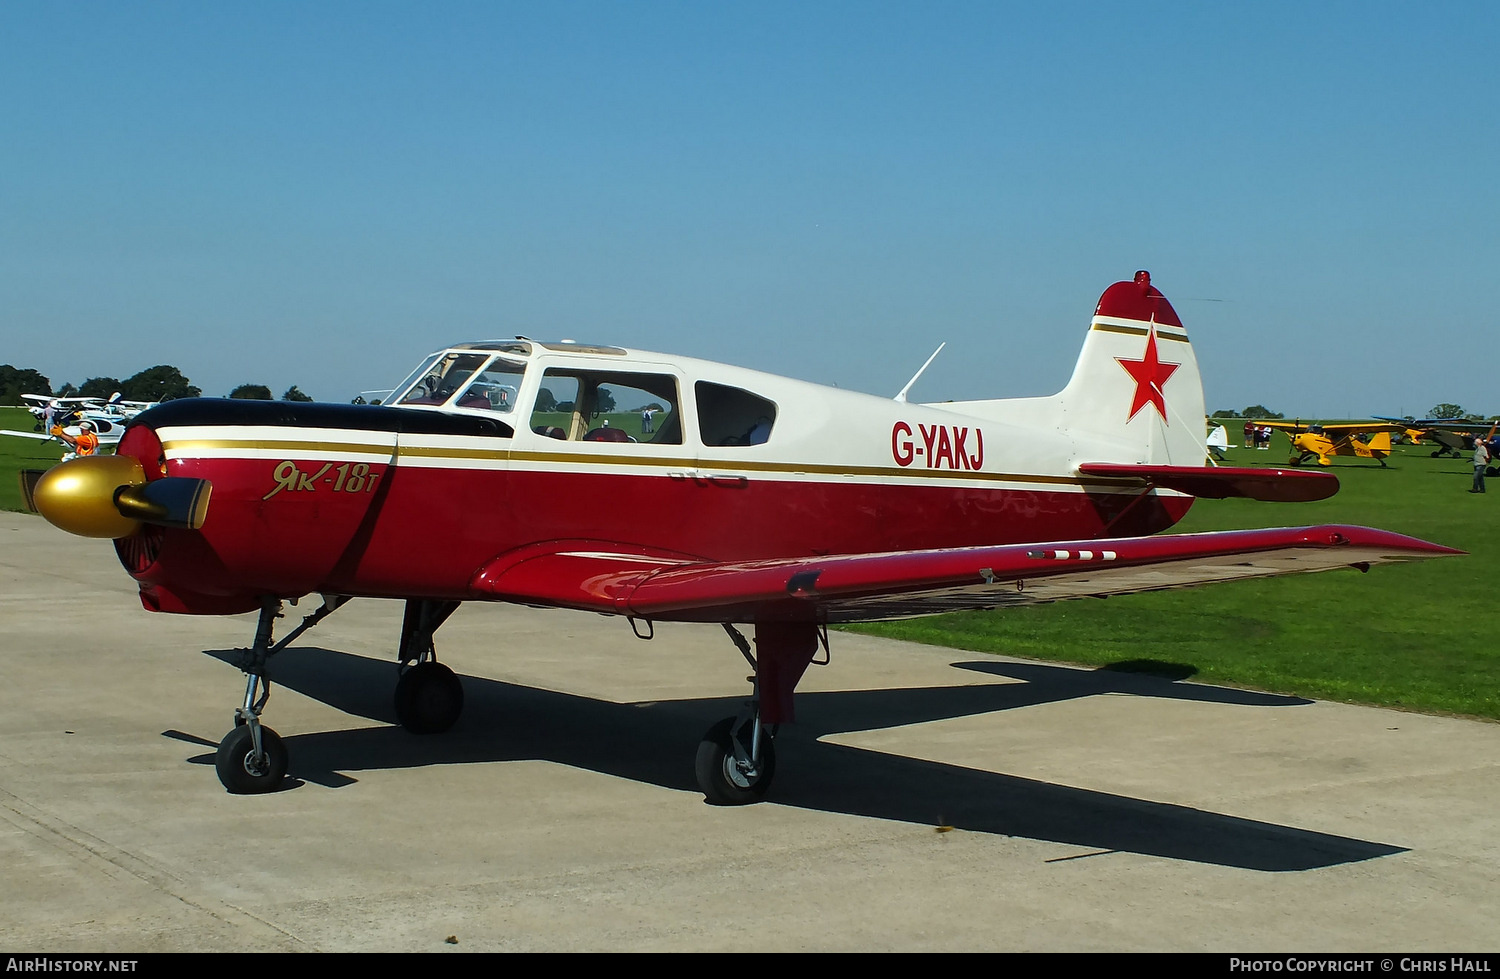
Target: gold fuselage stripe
[724, 467]
[431, 452]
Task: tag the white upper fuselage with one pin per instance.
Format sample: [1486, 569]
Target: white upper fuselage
[815, 431]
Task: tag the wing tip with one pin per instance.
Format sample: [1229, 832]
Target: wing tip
[1339, 535]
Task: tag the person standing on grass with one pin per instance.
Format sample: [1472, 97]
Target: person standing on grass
[86, 443]
[1481, 462]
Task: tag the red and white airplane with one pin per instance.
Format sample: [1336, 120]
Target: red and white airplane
[666, 489]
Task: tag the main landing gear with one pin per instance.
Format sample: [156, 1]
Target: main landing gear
[737, 756]
[429, 697]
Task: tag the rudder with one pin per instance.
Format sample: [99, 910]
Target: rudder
[1136, 382]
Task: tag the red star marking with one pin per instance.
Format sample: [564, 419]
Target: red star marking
[1150, 374]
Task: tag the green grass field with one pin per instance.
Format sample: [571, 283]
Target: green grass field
[18, 453]
[1414, 636]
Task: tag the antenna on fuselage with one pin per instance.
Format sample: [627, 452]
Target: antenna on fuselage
[902, 396]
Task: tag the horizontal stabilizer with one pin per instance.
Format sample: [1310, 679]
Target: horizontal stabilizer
[1222, 482]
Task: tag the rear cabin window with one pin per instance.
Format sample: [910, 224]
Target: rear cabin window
[607, 406]
[732, 416]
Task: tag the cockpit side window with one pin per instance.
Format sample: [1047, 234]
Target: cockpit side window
[732, 416]
[397, 394]
[443, 379]
[494, 388]
[607, 406]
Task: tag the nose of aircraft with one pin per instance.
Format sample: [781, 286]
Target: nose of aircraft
[108, 496]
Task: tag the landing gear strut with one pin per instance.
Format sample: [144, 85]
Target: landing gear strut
[251, 758]
[737, 756]
[429, 696]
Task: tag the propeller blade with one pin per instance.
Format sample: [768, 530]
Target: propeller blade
[173, 501]
[29, 478]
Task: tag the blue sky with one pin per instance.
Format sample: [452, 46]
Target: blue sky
[319, 193]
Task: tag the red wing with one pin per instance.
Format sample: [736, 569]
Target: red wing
[861, 587]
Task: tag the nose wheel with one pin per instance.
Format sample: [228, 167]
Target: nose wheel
[247, 768]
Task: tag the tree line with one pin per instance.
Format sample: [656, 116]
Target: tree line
[160, 383]
[1445, 410]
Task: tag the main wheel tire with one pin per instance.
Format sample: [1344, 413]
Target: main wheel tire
[238, 768]
[429, 698]
[720, 778]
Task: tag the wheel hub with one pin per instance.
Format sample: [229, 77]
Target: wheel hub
[741, 774]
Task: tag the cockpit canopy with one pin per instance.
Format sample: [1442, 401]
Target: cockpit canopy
[485, 376]
[603, 395]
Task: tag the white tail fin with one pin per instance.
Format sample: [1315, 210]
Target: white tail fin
[1135, 396]
[1136, 383]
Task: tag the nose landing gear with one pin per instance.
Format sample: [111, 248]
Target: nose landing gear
[429, 696]
[252, 758]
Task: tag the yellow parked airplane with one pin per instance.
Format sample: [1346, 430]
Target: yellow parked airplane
[1453, 436]
[1367, 440]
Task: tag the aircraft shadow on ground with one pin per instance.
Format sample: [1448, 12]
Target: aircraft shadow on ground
[654, 743]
